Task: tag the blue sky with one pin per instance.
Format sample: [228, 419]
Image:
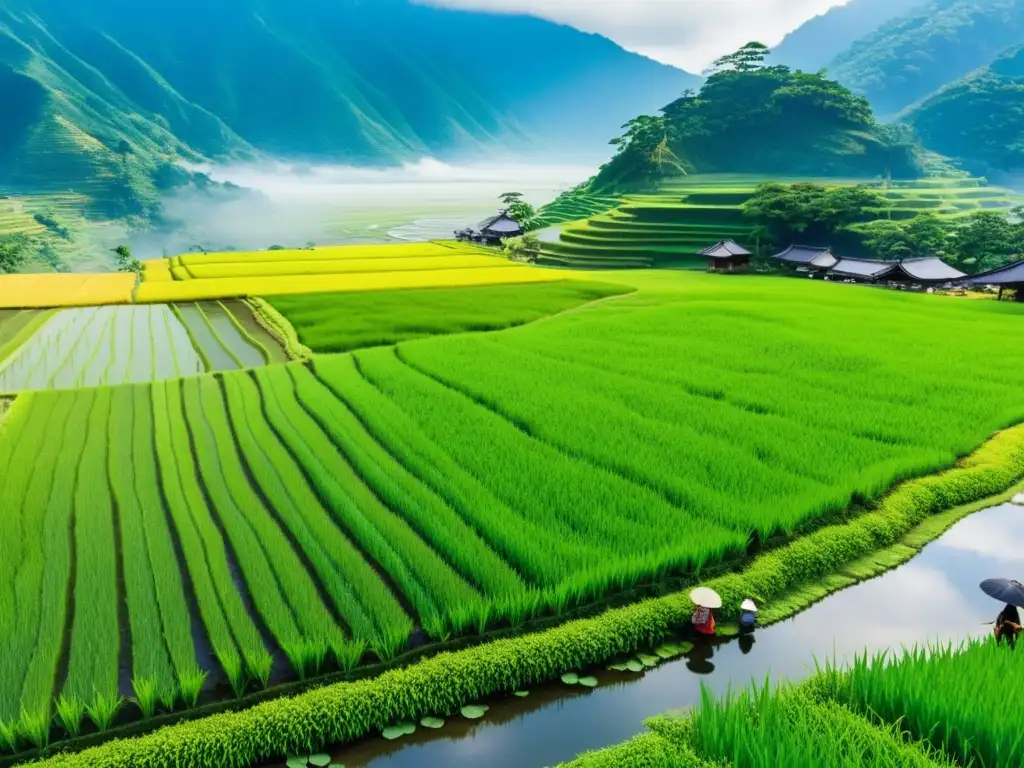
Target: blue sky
[686, 33]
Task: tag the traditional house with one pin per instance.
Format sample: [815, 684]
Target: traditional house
[1010, 276]
[808, 257]
[926, 271]
[726, 256]
[497, 228]
[863, 270]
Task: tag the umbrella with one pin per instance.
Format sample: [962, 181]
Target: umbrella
[706, 598]
[1005, 591]
[748, 605]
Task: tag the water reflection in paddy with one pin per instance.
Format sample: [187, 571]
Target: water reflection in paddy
[933, 597]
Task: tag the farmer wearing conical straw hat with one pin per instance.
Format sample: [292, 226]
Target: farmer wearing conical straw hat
[748, 615]
[706, 601]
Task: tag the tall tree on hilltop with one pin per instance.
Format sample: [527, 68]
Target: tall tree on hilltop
[748, 58]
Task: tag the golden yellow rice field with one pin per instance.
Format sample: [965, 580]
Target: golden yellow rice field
[329, 253]
[339, 266]
[66, 290]
[194, 290]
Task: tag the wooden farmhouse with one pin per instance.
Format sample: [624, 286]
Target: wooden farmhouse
[726, 256]
[1010, 276]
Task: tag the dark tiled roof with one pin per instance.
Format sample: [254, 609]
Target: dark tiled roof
[824, 260]
[501, 223]
[801, 254]
[1008, 275]
[863, 268]
[930, 270]
[724, 250]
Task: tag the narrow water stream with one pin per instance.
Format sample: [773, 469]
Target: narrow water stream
[934, 597]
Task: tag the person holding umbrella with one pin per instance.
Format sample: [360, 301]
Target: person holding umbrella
[706, 600]
[1008, 622]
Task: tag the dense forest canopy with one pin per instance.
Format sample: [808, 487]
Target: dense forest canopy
[913, 56]
[980, 119]
[750, 117]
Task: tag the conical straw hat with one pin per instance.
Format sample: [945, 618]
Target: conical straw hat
[748, 605]
[706, 598]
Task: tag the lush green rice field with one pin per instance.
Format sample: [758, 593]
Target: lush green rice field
[312, 516]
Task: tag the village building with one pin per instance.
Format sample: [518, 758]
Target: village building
[1010, 276]
[808, 257]
[924, 271]
[863, 270]
[726, 255]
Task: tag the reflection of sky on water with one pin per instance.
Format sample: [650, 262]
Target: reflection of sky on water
[935, 597]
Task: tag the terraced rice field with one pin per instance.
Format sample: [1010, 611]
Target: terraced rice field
[67, 290]
[329, 270]
[310, 517]
[690, 214]
[101, 346]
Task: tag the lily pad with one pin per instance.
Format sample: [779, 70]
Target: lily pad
[398, 731]
[669, 650]
[320, 759]
[521, 694]
[474, 711]
[570, 678]
[589, 682]
[297, 762]
[647, 660]
[634, 666]
[618, 668]
[432, 722]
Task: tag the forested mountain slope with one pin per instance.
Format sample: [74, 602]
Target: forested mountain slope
[913, 56]
[102, 92]
[751, 117]
[816, 42]
[979, 119]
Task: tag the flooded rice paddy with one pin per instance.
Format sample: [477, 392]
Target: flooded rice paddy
[100, 346]
[933, 598]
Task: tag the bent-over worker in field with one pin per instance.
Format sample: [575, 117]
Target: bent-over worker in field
[748, 615]
[1007, 626]
[704, 620]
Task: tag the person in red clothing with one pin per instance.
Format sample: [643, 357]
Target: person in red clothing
[704, 620]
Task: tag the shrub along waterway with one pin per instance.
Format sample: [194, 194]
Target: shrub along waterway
[933, 597]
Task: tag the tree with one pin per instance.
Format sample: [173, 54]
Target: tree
[922, 236]
[519, 209]
[13, 251]
[987, 240]
[125, 262]
[813, 213]
[748, 58]
[525, 248]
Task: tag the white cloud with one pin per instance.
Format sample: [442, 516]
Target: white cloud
[686, 33]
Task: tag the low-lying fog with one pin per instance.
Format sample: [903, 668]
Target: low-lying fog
[295, 204]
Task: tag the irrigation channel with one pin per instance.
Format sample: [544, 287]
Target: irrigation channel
[934, 597]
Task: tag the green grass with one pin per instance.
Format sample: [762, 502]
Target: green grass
[956, 698]
[342, 322]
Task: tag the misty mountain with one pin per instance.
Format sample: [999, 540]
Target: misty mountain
[979, 120]
[102, 95]
[816, 43]
[911, 57]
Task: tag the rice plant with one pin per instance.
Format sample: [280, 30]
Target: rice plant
[70, 713]
[104, 709]
[146, 695]
[190, 686]
[955, 697]
[765, 728]
[34, 726]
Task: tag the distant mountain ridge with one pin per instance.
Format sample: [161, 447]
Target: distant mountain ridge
[911, 57]
[106, 95]
[979, 120]
[819, 40]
